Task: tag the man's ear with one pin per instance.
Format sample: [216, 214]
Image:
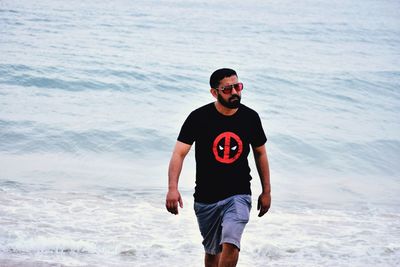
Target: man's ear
[214, 92]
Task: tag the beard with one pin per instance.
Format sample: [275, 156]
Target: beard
[233, 101]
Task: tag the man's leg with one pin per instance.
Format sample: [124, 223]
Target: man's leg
[229, 255]
[235, 219]
[211, 260]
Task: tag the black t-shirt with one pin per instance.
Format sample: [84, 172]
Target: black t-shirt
[222, 146]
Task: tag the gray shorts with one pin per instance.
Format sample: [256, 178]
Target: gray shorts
[223, 221]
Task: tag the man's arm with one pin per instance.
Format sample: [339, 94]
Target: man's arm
[261, 159]
[174, 170]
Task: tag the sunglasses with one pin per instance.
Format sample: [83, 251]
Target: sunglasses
[228, 89]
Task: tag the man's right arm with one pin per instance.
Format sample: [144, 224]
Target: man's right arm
[174, 170]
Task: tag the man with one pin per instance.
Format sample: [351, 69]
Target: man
[223, 132]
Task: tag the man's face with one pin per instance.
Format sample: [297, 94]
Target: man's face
[229, 100]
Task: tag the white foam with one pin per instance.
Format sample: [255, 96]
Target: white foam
[50, 244]
[120, 227]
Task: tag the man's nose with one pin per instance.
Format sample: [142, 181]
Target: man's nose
[234, 91]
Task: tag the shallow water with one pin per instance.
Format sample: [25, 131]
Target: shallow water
[106, 226]
[93, 94]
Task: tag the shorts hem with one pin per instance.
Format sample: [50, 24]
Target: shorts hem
[212, 252]
[231, 241]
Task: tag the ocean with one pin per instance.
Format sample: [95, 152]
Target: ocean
[93, 95]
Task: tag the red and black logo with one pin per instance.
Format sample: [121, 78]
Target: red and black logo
[227, 147]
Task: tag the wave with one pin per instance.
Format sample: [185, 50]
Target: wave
[30, 137]
[124, 78]
[27, 80]
[55, 245]
[377, 156]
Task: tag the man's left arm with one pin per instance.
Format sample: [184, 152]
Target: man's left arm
[261, 159]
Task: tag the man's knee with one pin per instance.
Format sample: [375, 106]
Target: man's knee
[211, 260]
[229, 255]
[228, 247]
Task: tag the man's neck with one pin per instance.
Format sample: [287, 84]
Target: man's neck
[224, 110]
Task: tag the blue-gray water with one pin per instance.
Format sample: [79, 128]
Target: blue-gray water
[93, 94]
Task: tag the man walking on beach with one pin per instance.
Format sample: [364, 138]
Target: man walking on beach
[223, 132]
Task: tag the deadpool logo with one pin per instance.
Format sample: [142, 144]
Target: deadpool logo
[227, 147]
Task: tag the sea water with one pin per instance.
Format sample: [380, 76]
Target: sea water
[93, 95]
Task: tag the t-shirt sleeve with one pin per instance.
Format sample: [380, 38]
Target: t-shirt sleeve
[188, 130]
[258, 138]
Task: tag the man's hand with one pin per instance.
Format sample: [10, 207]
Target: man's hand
[171, 203]
[264, 203]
